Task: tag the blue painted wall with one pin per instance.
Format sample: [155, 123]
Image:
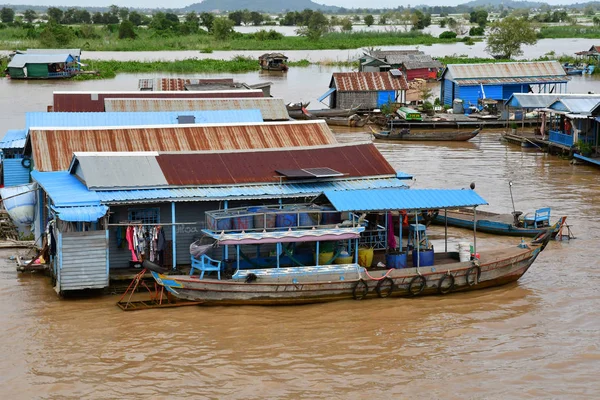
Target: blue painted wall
[448, 92]
[14, 173]
[384, 97]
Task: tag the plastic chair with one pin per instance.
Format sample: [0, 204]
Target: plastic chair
[205, 264]
[540, 218]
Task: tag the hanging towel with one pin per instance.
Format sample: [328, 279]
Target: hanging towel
[129, 238]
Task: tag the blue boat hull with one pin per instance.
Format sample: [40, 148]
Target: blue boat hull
[495, 227]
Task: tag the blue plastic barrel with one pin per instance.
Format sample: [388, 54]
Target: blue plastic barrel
[286, 220]
[425, 258]
[243, 223]
[395, 260]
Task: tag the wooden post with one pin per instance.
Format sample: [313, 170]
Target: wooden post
[174, 235]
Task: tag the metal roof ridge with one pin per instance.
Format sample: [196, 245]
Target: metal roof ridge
[177, 126]
[246, 185]
[158, 93]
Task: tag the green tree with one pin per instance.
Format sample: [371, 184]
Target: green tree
[369, 20]
[206, 20]
[135, 18]
[222, 28]
[316, 27]
[589, 11]
[346, 24]
[236, 17]
[126, 30]
[83, 16]
[98, 18]
[507, 36]
[29, 15]
[55, 35]
[191, 23]
[123, 13]
[55, 14]
[479, 17]
[7, 15]
[256, 18]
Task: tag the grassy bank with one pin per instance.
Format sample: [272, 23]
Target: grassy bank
[147, 40]
[569, 31]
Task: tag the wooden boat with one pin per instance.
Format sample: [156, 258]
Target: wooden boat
[498, 224]
[354, 121]
[300, 112]
[430, 136]
[273, 62]
[274, 284]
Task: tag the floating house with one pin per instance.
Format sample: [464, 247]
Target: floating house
[42, 66]
[498, 81]
[101, 195]
[592, 55]
[271, 109]
[413, 63]
[93, 101]
[366, 90]
[574, 120]
[15, 168]
[273, 62]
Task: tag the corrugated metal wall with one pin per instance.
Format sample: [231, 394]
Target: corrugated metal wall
[16, 72]
[508, 90]
[82, 260]
[385, 97]
[365, 100]
[492, 91]
[469, 94]
[447, 92]
[14, 172]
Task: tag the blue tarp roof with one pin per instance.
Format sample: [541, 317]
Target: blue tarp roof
[402, 199]
[65, 189]
[88, 119]
[81, 214]
[14, 139]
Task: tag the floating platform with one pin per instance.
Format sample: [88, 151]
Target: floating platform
[151, 303]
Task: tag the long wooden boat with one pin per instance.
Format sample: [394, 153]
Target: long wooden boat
[354, 121]
[421, 136]
[302, 285]
[275, 284]
[302, 113]
[498, 224]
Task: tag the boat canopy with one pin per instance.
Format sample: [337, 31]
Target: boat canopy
[402, 199]
[287, 236]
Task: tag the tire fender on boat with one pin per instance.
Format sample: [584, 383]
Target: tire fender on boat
[382, 290]
[360, 290]
[421, 285]
[441, 288]
[470, 271]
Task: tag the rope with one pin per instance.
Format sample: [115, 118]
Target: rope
[380, 278]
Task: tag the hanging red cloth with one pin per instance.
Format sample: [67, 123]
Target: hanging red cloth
[129, 238]
[391, 237]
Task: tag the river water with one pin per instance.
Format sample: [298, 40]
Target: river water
[537, 338]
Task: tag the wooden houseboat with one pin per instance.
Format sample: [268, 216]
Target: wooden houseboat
[273, 62]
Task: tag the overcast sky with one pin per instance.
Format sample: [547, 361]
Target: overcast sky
[184, 3]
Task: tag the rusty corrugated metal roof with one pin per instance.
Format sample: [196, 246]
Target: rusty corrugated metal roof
[271, 108]
[52, 148]
[260, 166]
[512, 70]
[178, 84]
[93, 101]
[367, 81]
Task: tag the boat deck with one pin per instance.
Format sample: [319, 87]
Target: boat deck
[468, 215]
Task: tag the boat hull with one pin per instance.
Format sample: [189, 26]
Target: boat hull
[495, 227]
[502, 268]
[449, 136]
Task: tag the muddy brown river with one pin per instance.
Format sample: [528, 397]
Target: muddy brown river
[538, 338]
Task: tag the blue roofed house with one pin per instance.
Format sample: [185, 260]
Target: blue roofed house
[15, 168]
[498, 81]
[574, 122]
